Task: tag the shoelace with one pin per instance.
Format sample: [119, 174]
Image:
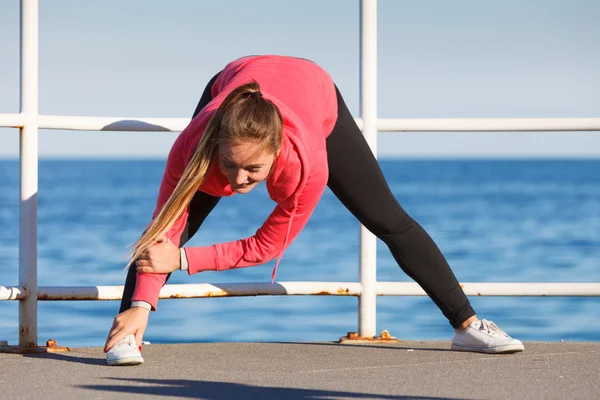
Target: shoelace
[490, 327]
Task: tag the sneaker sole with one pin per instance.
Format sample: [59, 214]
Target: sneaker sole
[508, 349]
[125, 361]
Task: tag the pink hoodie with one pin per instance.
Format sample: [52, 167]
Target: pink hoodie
[306, 98]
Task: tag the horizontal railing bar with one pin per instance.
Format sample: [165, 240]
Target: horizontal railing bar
[12, 293]
[12, 120]
[205, 290]
[112, 123]
[487, 124]
[118, 124]
[383, 124]
[566, 289]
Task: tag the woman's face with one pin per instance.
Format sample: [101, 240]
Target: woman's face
[243, 166]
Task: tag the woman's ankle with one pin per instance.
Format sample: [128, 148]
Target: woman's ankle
[467, 322]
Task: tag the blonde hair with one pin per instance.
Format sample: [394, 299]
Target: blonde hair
[244, 115]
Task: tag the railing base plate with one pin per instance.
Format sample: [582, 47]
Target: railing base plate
[353, 338]
[51, 347]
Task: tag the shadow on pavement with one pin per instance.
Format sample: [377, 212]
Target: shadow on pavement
[68, 357]
[387, 346]
[226, 391]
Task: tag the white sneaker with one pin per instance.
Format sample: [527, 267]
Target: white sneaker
[484, 337]
[125, 352]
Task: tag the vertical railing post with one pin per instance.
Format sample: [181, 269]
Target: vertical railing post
[367, 302]
[28, 154]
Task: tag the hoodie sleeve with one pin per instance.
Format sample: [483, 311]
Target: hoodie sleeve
[279, 230]
[148, 286]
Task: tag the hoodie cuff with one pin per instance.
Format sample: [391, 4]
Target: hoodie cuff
[147, 288]
[202, 259]
[183, 261]
[141, 304]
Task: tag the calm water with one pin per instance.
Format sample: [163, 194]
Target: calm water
[524, 221]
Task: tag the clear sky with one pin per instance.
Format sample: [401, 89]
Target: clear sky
[437, 59]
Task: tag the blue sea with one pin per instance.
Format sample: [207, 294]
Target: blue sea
[496, 221]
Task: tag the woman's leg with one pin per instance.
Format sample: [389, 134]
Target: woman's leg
[356, 179]
[200, 206]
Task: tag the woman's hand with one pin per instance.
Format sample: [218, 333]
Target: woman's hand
[162, 257]
[129, 321]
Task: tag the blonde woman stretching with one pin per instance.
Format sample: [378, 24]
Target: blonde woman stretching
[280, 120]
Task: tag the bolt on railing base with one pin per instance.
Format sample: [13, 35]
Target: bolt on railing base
[353, 338]
[50, 347]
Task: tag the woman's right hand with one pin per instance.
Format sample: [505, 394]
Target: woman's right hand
[133, 320]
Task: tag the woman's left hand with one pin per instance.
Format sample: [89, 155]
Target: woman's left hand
[162, 257]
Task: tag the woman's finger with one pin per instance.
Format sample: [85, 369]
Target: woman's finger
[114, 326]
[113, 337]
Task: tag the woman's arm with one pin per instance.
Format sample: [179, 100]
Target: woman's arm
[286, 221]
[268, 242]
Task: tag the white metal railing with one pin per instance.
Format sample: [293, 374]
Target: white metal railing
[58, 293]
[77, 123]
[367, 289]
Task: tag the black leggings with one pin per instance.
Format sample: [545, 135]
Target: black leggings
[356, 179]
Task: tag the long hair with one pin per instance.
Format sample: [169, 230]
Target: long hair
[244, 115]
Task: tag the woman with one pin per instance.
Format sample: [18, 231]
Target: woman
[280, 120]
